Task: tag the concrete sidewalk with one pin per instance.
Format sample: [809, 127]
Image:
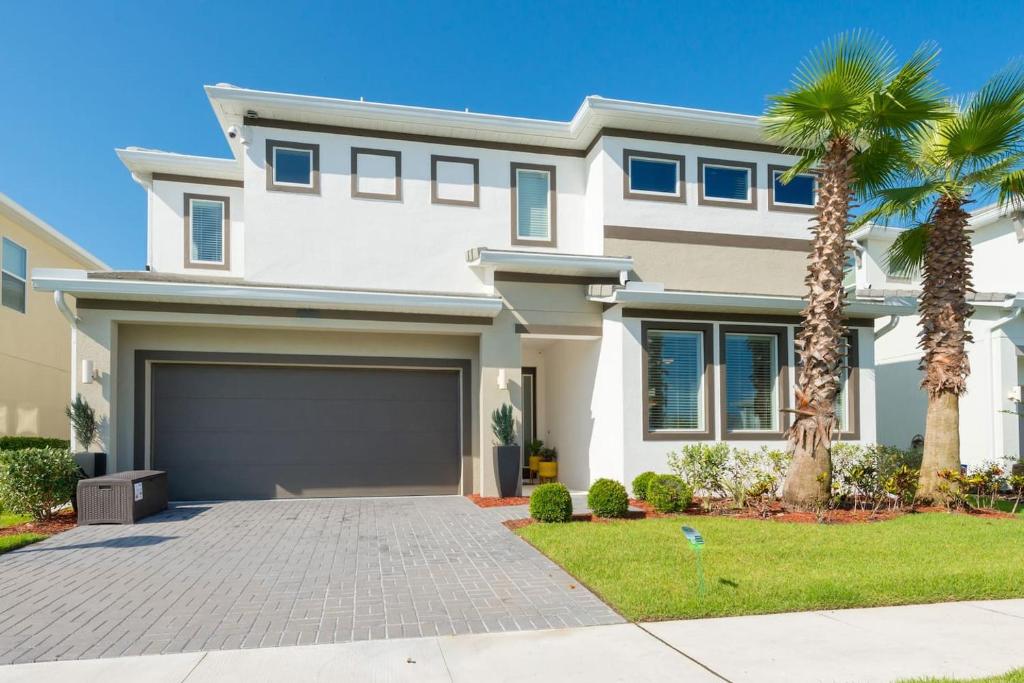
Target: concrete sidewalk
[863, 645]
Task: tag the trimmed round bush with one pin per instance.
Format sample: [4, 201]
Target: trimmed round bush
[551, 503]
[669, 493]
[608, 498]
[640, 484]
[35, 481]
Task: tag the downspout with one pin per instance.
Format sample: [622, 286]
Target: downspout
[996, 383]
[62, 306]
[885, 329]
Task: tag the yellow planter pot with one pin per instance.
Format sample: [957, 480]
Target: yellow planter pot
[534, 463]
[548, 470]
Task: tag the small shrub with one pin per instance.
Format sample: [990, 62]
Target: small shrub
[551, 503]
[608, 498]
[17, 443]
[36, 481]
[503, 425]
[669, 493]
[702, 466]
[640, 484]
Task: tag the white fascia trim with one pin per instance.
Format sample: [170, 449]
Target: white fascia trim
[576, 133]
[872, 231]
[77, 282]
[536, 262]
[143, 163]
[745, 302]
[33, 223]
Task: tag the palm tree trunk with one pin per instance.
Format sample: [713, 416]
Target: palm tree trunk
[943, 338]
[819, 340]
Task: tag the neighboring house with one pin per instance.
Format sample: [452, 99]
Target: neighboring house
[991, 421]
[338, 308]
[35, 345]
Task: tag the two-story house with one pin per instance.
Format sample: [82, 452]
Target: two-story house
[991, 414]
[338, 307]
[35, 345]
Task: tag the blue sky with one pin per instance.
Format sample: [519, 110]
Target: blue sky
[78, 79]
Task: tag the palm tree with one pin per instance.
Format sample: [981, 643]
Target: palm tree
[847, 115]
[976, 152]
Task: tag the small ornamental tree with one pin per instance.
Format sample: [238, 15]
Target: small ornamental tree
[83, 422]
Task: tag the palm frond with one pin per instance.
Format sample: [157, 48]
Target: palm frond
[828, 92]
[989, 125]
[886, 162]
[990, 177]
[1011, 190]
[911, 98]
[904, 203]
[906, 255]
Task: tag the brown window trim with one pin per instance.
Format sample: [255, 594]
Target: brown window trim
[782, 381]
[435, 199]
[354, 173]
[772, 206]
[704, 201]
[225, 230]
[628, 193]
[314, 167]
[552, 240]
[852, 383]
[706, 434]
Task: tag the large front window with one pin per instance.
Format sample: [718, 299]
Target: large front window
[752, 382]
[676, 358]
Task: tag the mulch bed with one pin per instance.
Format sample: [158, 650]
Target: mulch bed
[776, 513]
[494, 502]
[62, 521]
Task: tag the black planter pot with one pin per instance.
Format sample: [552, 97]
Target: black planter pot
[508, 465]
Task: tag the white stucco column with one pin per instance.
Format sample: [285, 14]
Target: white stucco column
[97, 339]
[500, 349]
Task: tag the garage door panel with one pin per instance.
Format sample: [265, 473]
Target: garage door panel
[225, 431]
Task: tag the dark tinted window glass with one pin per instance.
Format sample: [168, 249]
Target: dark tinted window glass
[292, 166]
[799, 190]
[650, 175]
[722, 182]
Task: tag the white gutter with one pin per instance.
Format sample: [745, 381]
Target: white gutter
[62, 306]
[78, 283]
[647, 298]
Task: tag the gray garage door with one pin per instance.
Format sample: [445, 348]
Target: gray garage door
[237, 431]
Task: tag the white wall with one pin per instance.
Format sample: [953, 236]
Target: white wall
[691, 215]
[337, 240]
[998, 258]
[167, 206]
[571, 370]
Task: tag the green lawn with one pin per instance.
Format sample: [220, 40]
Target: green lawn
[646, 571]
[1015, 676]
[10, 519]
[8, 543]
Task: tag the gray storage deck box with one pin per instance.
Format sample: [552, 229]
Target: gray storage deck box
[122, 498]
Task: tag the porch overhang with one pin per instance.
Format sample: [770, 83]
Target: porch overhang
[651, 297]
[151, 287]
[546, 263]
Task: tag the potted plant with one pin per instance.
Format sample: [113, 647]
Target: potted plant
[548, 467]
[86, 428]
[1017, 469]
[507, 456]
[536, 447]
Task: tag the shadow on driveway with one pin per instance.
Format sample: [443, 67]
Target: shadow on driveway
[123, 542]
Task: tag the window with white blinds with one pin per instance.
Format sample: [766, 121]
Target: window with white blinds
[751, 390]
[533, 204]
[675, 378]
[842, 398]
[207, 230]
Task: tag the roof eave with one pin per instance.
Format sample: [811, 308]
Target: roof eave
[78, 283]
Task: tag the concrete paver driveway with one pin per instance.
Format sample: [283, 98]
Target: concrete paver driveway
[269, 573]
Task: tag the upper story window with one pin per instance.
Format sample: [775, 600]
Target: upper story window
[14, 274]
[800, 194]
[753, 380]
[376, 174]
[206, 231]
[293, 167]
[533, 205]
[653, 176]
[454, 180]
[677, 393]
[726, 183]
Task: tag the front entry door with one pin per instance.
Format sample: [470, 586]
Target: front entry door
[529, 414]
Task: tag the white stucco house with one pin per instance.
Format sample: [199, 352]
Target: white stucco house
[991, 420]
[338, 306]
